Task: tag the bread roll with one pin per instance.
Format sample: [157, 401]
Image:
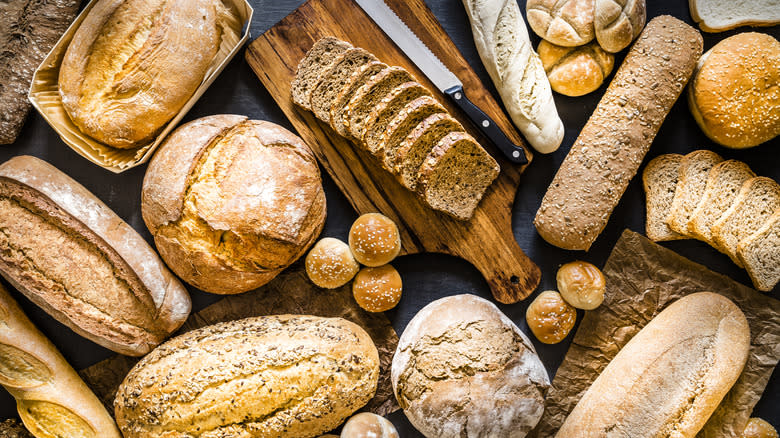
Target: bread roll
[550, 317]
[374, 239]
[368, 425]
[266, 377]
[103, 280]
[330, 264]
[618, 22]
[231, 202]
[759, 428]
[377, 289]
[459, 363]
[670, 377]
[731, 95]
[505, 49]
[132, 65]
[581, 284]
[563, 22]
[51, 398]
[612, 145]
[575, 71]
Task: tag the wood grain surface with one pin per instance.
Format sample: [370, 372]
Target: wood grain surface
[486, 240]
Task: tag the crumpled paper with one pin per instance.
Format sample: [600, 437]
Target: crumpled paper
[289, 293]
[642, 279]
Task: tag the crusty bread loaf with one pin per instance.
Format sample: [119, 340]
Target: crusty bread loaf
[734, 95]
[618, 22]
[575, 71]
[614, 141]
[333, 78]
[103, 281]
[566, 23]
[720, 15]
[231, 202]
[660, 179]
[505, 49]
[760, 254]
[462, 368]
[338, 107]
[670, 377]
[266, 377]
[51, 398]
[756, 201]
[132, 65]
[308, 74]
[694, 171]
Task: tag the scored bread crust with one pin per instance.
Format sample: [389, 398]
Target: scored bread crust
[71, 210]
[566, 23]
[575, 71]
[733, 24]
[618, 22]
[670, 377]
[659, 192]
[694, 170]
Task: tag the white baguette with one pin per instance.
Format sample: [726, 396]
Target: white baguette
[505, 49]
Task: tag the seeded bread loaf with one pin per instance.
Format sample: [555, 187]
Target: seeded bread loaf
[370, 94]
[402, 125]
[51, 398]
[760, 254]
[756, 201]
[308, 74]
[613, 143]
[333, 79]
[338, 107]
[12, 428]
[694, 172]
[389, 107]
[103, 281]
[274, 376]
[660, 182]
[455, 174]
[723, 185]
[409, 155]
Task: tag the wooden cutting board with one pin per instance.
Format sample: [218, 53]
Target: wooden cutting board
[486, 240]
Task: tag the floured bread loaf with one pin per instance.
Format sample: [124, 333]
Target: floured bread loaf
[463, 369]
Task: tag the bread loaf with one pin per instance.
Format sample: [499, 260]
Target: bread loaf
[338, 107]
[333, 79]
[132, 65]
[614, 141]
[463, 369]
[670, 377]
[231, 202]
[274, 376]
[322, 55]
[103, 281]
[516, 70]
[51, 398]
[694, 171]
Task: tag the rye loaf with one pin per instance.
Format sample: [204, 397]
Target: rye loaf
[386, 110]
[338, 107]
[403, 124]
[334, 78]
[308, 74]
[368, 96]
[410, 154]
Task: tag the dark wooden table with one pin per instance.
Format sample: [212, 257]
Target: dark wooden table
[428, 276]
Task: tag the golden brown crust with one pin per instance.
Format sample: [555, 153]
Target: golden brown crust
[330, 263]
[575, 71]
[550, 317]
[377, 289]
[563, 22]
[374, 239]
[759, 428]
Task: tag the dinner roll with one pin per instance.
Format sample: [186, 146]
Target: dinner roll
[581, 284]
[374, 239]
[368, 425]
[231, 202]
[574, 71]
[734, 95]
[550, 317]
[759, 428]
[377, 289]
[330, 263]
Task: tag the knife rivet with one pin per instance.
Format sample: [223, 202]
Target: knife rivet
[458, 96]
[485, 123]
[516, 154]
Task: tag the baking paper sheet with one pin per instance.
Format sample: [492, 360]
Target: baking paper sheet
[642, 279]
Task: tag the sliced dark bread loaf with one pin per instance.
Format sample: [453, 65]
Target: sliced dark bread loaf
[370, 94]
[660, 182]
[402, 125]
[309, 72]
[756, 201]
[386, 110]
[723, 185]
[334, 78]
[694, 171]
[409, 155]
[760, 254]
[338, 108]
[455, 174]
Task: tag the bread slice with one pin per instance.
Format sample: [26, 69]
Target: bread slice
[409, 155]
[723, 185]
[309, 72]
[660, 182]
[386, 110]
[370, 94]
[756, 201]
[694, 171]
[760, 254]
[334, 78]
[402, 124]
[455, 174]
[720, 15]
[338, 107]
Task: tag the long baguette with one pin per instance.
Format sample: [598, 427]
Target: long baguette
[611, 146]
[51, 398]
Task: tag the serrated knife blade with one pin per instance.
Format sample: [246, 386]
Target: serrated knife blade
[439, 74]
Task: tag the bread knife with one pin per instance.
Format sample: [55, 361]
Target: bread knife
[440, 75]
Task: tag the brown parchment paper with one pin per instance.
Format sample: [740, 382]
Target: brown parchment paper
[642, 279]
[290, 293]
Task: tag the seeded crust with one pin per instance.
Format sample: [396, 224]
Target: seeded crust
[694, 171]
[660, 182]
[415, 148]
[386, 110]
[370, 94]
[402, 125]
[308, 74]
[338, 108]
[760, 254]
[334, 78]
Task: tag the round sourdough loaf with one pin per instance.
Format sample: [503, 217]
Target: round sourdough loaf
[231, 202]
[271, 376]
[463, 369]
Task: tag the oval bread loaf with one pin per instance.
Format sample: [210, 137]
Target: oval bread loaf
[670, 377]
[272, 376]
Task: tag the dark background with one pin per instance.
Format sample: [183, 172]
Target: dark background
[426, 277]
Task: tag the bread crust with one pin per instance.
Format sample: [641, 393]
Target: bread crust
[618, 22]
[702, 21]
[566, 23]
